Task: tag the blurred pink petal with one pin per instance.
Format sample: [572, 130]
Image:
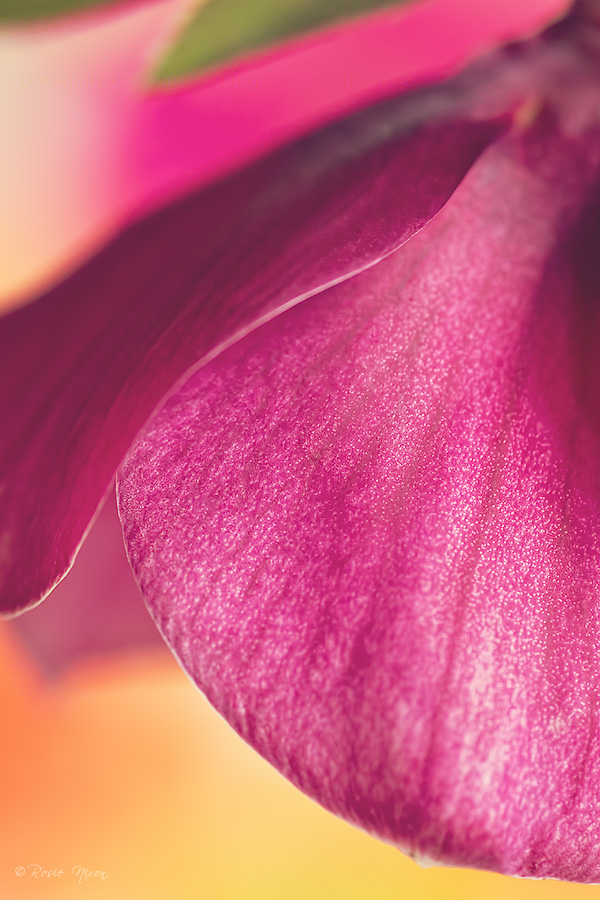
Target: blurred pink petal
[248, 108]
[90, 144]
[369, 529]
[97, 609]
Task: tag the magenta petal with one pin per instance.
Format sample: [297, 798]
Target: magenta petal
[369, 530]
[84, 366]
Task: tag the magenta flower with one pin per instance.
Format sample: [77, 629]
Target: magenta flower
[365, 517]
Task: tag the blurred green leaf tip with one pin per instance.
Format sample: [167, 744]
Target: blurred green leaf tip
[219, 31]
[29, 10]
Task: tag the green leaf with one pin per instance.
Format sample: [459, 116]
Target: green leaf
[28, 10]
[221, 30]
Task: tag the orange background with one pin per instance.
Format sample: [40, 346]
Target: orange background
[120, 765]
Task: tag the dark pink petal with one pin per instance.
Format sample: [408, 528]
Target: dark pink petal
[369, 530]
[84, 366]
[96, 610]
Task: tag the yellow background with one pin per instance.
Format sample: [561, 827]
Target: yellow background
[123, 767]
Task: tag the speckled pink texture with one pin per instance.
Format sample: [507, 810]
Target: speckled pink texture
[84, 366]
[369, 529]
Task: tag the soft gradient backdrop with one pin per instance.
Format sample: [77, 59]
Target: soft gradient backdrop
[116, 763]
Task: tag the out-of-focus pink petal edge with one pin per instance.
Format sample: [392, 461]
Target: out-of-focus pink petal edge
[96, 610]
[256, 104]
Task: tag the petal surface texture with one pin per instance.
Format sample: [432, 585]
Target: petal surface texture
[369, 530]
[84, 366]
